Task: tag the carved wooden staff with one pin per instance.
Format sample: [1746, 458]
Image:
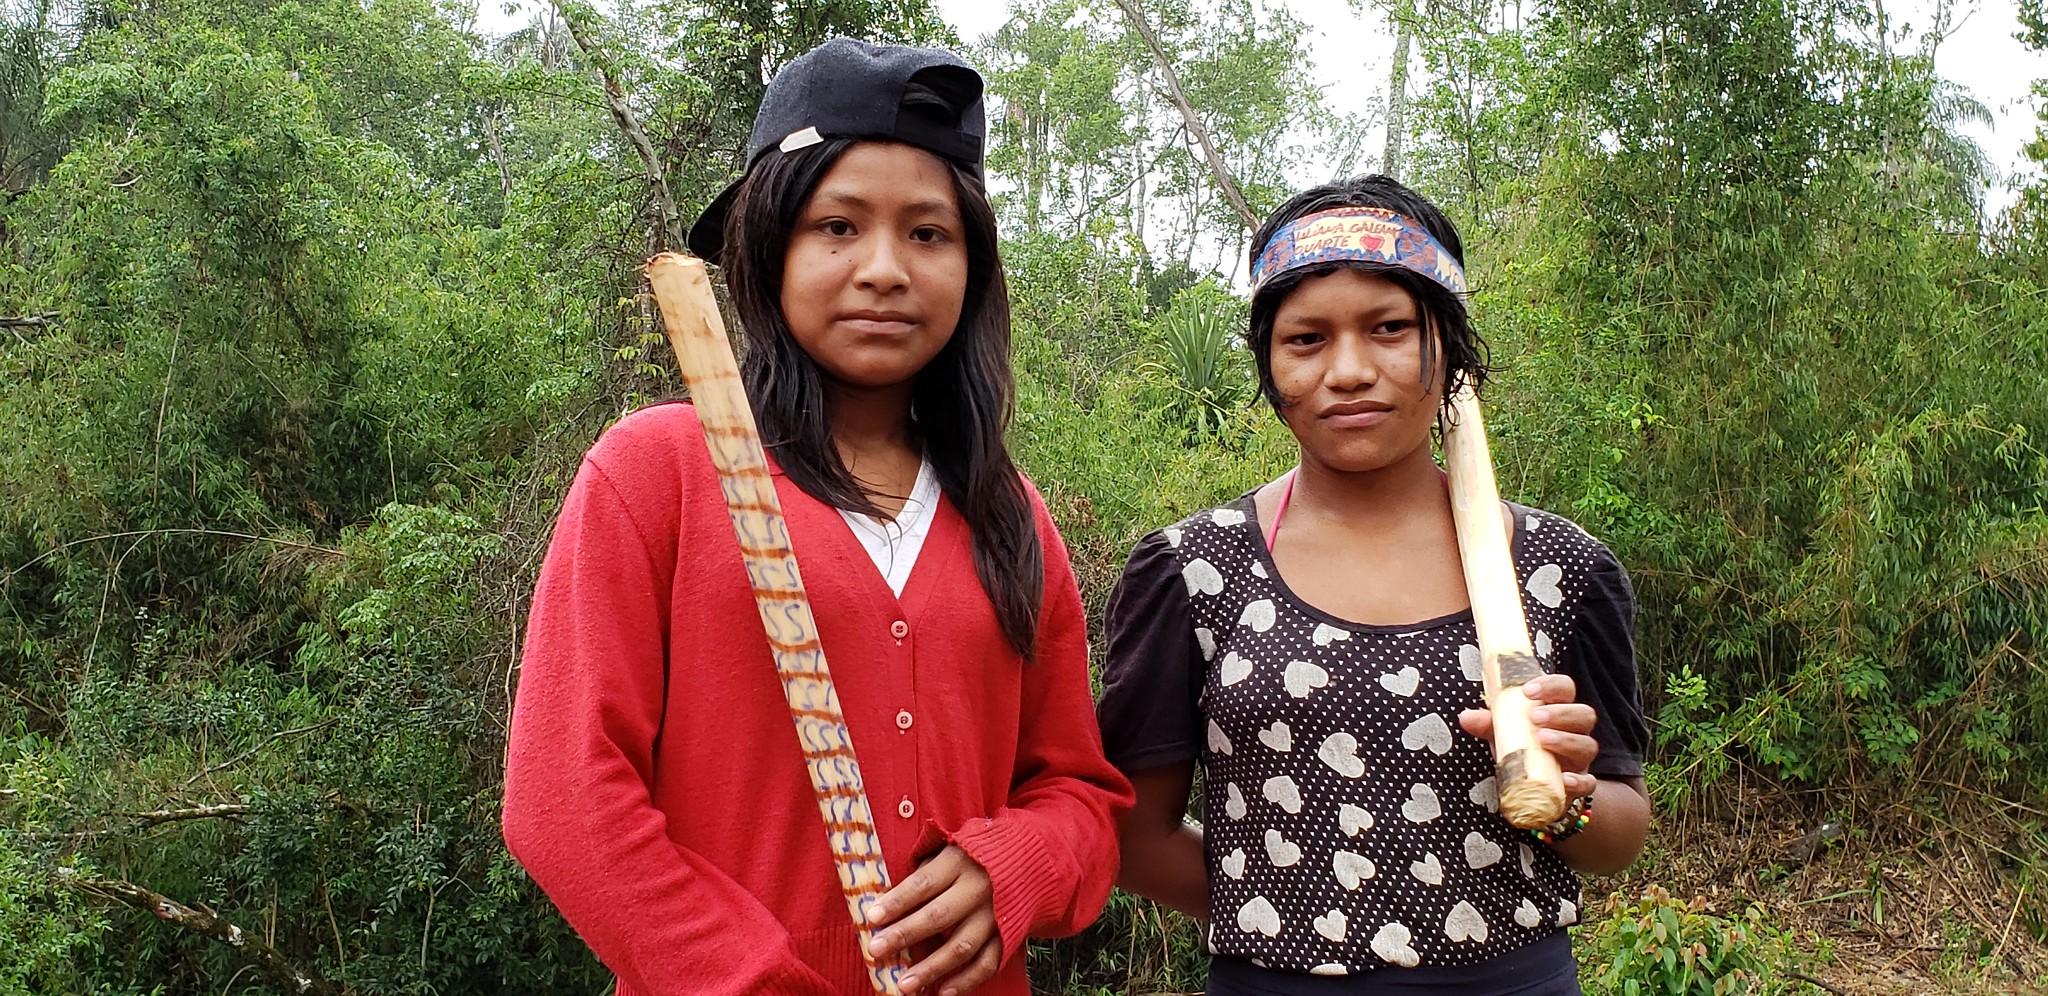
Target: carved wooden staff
[697, 332]
[1531, 784]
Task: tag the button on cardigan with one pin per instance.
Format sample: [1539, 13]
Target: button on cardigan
[654, 785]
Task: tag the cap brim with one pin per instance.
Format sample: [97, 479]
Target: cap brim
[707, 237]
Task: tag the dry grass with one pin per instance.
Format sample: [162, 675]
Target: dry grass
[1937, 892]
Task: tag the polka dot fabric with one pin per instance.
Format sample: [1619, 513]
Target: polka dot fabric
[1350, 823]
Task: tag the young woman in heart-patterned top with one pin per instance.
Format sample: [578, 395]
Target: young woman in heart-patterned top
[1310, 648]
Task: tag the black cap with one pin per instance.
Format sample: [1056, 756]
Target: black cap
[852, 89]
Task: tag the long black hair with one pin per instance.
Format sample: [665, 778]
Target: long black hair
[1457, 345]
[961, 402]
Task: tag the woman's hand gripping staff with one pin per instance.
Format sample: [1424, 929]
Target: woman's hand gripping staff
[946, 903]
[1531, 784]
[697, 332]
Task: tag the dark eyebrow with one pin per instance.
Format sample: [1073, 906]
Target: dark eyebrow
[849, 199]
[1377, 316]
[841, 197]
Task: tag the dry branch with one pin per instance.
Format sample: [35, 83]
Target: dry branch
[226, 810]
[251, 752]
[227, 534]
[28, 321]
[1224, 181]
[265, 958]
[1816, 983]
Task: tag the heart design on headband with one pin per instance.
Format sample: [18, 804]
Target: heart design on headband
[1358, 234]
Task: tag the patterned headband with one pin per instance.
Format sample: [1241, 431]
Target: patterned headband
[1366, 234]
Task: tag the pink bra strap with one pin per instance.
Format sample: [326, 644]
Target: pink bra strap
[1286, 495]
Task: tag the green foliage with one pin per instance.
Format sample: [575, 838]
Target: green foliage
[1087, 137]
[1660, 946]
[339, 291]
[1120, 466]
[29, 48]
[1136, 947]
[1204, 360]
[1719, 361]
[1075, 308]
[44, 927]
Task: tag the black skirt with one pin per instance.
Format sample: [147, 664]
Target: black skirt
[1542, 968]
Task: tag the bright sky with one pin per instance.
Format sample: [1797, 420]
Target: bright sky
[1351, 58]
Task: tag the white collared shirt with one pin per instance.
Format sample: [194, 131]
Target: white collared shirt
[894, 546]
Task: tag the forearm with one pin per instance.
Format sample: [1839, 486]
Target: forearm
[661, 917]
[1043, 854]
[1615, 836]
[1166, 867]
[1162, 852]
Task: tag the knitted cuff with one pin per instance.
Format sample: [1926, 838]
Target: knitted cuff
[1016, 864]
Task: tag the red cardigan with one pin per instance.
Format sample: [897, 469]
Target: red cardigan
[654, 786]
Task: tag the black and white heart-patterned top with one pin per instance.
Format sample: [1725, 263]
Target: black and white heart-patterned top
[1349, 823]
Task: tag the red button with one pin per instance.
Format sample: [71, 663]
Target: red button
[899, 629]
[906, 808]
[903, 720]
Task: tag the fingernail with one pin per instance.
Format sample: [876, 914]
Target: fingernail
[1538, 714]
[875, 912]
[877, 947]
[910, 982]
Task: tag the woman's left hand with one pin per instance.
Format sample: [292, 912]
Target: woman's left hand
[949, 898]
[1564, 727]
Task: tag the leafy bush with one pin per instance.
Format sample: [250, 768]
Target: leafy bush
[314, 306]
[1659, 946]
[1204, 365]
[44, 927]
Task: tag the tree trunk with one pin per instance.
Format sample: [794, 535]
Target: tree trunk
[1141, 162]
[636, 135]
[1397, 88]
[1224, 181]
[497, 150]
[1037, 162]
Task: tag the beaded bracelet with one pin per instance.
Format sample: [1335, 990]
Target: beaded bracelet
[1574, 820]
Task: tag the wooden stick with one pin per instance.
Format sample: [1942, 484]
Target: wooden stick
[697, 332]
[1531, 785]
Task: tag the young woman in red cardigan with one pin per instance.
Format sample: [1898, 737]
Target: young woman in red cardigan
[654, 786]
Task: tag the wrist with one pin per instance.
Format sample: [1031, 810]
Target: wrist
[1578, 814]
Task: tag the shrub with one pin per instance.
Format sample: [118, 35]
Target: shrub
[1660, 946]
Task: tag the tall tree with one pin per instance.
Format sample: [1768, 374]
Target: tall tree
[1403, 19]
[1187, 123]
[1225, 181]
